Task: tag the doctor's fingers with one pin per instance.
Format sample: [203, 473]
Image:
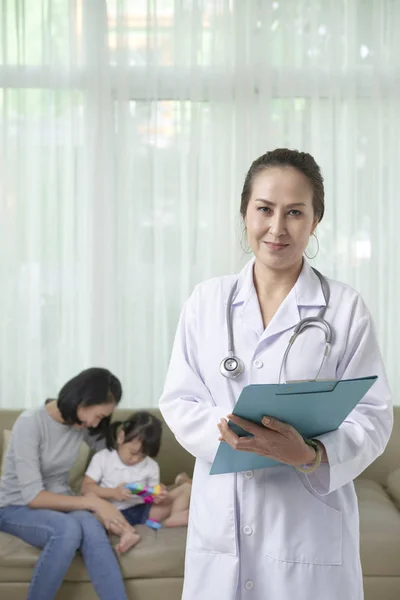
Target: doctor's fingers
[260, 446]
[225, 431]
[278, 426]
[227, 434]
[248, 426]
[270, 427]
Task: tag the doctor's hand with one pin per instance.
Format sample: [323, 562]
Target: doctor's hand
[274, 439]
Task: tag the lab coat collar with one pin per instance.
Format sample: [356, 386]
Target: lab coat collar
[307, 292]
[308, 288]
[245, 287]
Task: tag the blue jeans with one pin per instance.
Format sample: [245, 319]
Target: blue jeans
[61, 535]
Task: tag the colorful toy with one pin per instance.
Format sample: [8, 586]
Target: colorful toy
[153, 524]
[146, 492]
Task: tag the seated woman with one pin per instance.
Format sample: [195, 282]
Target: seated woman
[36, 502]
[129, 458]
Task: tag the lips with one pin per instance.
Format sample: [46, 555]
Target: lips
[273, 246]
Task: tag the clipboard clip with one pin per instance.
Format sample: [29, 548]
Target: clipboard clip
[310, 386]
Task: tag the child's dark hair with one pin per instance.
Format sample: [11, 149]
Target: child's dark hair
[89, 388]
[141, 425]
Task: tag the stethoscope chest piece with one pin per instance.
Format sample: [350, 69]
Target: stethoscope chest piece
[231, 367]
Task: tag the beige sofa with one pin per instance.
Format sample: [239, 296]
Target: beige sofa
[154, 569]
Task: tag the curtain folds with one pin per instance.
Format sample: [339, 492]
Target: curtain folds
[126, 130]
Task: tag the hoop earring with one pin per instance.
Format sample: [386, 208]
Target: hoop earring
[245, 250]
[312, 257]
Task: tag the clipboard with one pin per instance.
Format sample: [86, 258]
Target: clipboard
[312, 407]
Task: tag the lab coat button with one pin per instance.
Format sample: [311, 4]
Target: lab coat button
[258, 364]
[247, 530]
[249, 474]
[249, 585]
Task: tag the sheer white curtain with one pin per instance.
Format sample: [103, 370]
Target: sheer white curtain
[126, 129]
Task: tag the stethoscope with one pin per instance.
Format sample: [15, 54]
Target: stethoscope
[232, 366]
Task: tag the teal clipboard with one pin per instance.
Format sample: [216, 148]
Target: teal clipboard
[312, 407]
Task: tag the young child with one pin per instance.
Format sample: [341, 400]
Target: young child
[129, 458]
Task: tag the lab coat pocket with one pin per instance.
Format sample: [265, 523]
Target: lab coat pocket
[301, 527]
[212, 522]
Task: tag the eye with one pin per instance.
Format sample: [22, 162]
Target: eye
[295, 213]
[264, 209]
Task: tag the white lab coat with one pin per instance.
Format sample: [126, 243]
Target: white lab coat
[273, 533]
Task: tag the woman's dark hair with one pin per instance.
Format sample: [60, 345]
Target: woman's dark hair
[91, 387]
[283, 157]
[143, 426]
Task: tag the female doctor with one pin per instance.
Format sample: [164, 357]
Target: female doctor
[290, 531]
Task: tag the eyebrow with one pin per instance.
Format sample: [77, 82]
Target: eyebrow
[273, 204]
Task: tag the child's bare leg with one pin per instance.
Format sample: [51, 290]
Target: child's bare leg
[127, 536]
[179, 519]
[182, 478]
[127, 540]
[180, 497]
[177, 503]
[179, 516]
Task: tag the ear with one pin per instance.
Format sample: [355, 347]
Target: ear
[314, 226]
[121, 437]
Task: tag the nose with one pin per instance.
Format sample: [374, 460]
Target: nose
[277, 224]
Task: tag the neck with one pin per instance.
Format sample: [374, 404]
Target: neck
[54, 412]
[270, 283]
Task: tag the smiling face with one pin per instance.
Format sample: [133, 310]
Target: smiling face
[280, 217]
[90, 416]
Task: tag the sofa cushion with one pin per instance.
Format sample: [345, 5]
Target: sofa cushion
[158, 554]
[5, 439]
[380, 530]
[393, 486]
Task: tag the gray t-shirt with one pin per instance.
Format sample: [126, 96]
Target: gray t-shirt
[39, 457]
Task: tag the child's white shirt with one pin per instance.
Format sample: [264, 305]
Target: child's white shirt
[108, 471]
